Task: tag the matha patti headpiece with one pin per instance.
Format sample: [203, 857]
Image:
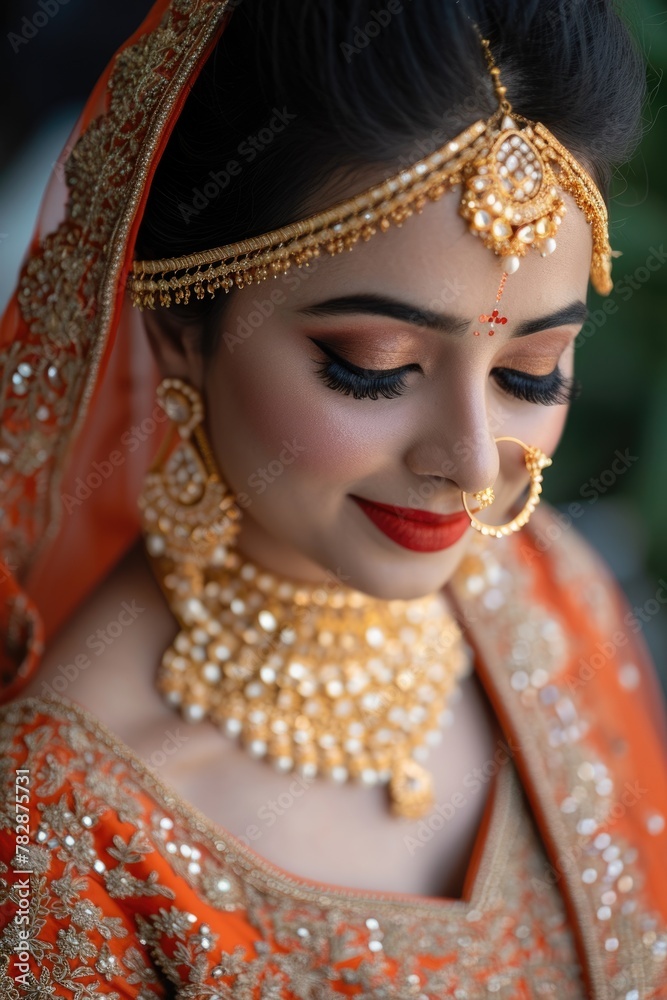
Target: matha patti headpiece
[512, 173]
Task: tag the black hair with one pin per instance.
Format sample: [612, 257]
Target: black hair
[297, 92]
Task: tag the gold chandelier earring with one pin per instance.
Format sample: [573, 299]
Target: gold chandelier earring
[189, 515]
[536, 460]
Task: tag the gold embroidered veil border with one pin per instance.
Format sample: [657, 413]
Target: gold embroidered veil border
[78, 426]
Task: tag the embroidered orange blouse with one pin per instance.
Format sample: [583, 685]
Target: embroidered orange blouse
[114, 886]
[141, 894]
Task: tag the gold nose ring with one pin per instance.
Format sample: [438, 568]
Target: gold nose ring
[536, 460]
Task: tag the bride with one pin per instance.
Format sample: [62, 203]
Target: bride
[305, 694]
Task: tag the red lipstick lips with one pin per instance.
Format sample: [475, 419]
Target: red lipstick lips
[418, 530]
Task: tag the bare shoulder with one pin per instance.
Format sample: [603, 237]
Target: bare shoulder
[106, 654]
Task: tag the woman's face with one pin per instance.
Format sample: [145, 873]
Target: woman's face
[297, 449]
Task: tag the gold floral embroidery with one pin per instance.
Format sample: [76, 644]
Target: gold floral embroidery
[68, 933]
[508, 938]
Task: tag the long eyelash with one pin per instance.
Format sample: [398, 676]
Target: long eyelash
[362, 383]
[337, 376]
[366, 383]
[549, 390]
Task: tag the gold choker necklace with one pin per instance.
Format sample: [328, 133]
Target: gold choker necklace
[325, 680]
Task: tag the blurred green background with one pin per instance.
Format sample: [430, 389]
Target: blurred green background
[621, 360]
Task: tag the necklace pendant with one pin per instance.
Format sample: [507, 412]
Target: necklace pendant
[411, 790]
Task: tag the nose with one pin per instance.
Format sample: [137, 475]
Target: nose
[456, 446]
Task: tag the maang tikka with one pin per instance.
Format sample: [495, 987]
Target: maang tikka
[511, 172]
[322, 679]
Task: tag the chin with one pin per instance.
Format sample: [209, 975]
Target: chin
[399, 576]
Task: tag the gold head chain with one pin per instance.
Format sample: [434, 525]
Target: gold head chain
[512, 173]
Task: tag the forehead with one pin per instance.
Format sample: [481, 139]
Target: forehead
[434, 260]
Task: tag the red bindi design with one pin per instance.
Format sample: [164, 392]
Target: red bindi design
[495, 316]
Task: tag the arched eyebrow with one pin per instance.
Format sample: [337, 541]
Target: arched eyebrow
[453, 326]
[573, 314]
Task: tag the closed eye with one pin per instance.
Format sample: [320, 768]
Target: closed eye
[370, 383]
[553, 389]
[361, 383]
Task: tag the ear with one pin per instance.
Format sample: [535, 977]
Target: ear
[176, 346]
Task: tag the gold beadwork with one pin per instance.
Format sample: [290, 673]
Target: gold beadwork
[501, 91]
[485, 497]
[511, 171]
[511, 200]
[535, 460]
[332, 231]
[321, 679]
[187, 511]
[314, 679]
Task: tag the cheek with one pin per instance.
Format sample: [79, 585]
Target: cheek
[533, 424]
[542, 429]
[552, 428]
[263, 400]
